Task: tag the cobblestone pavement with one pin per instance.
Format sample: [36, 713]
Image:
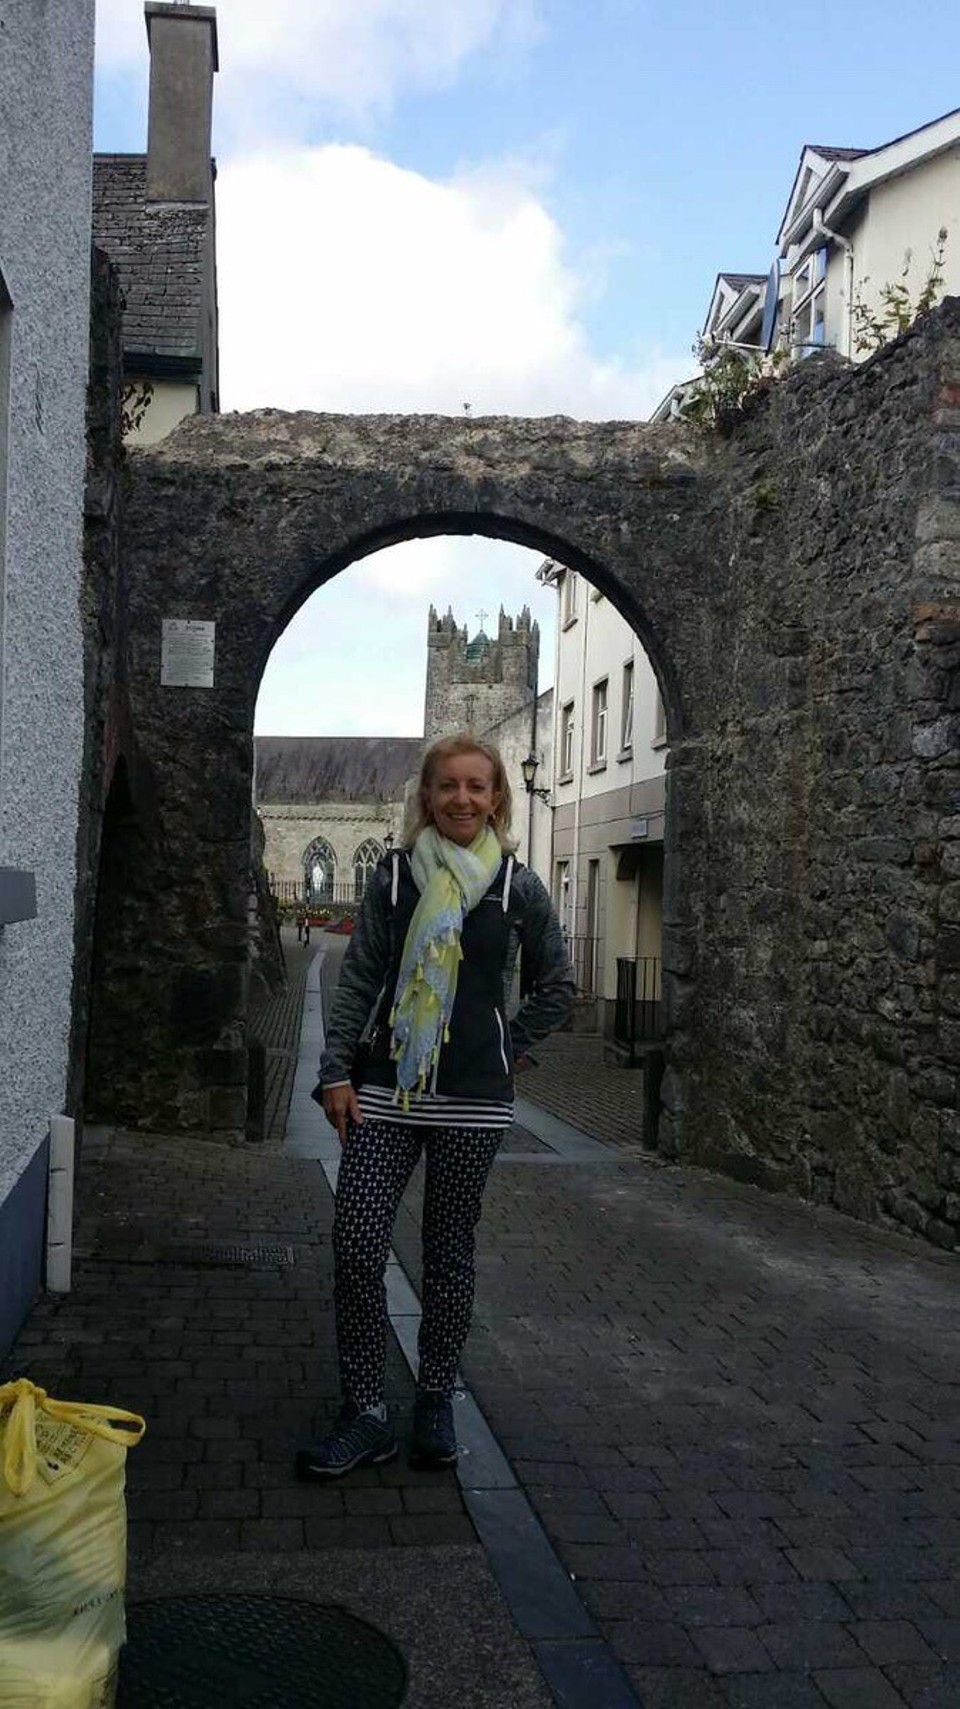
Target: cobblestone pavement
[573, 1082]
[233, 1367]
[737, 1418]
[276, 1021]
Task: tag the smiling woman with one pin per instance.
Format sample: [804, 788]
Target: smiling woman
[423, 983]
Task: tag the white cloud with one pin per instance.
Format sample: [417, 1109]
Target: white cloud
[350, 283]
[355, 664]
[282, 57]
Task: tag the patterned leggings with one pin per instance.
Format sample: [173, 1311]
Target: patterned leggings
[375, 1166]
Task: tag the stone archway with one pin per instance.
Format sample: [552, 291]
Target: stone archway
[794, 587]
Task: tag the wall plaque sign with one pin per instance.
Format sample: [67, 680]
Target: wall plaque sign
[187, 655]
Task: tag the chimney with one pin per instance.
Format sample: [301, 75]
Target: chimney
[183, 59]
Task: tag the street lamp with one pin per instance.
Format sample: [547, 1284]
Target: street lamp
[389, 841]
[529, 768]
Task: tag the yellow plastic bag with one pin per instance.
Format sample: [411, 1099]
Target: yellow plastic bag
[63, 1548]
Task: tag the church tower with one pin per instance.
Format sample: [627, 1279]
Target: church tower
[473, 684]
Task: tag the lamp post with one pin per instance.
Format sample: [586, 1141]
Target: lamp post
[389, 841]
[529, 768]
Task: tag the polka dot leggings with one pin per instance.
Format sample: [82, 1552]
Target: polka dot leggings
[375, 1166]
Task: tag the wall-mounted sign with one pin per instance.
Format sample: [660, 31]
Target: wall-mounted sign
[639, 828]
[187, 656]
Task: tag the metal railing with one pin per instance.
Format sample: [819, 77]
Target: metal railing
[636, 1017]
[318, 896]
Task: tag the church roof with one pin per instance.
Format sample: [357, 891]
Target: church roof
[306, 769]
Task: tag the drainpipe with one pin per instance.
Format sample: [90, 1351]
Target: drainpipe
[532, 798]
[585, 587]
[844, 243]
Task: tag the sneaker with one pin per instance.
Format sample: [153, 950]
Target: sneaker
[357, 1439]
[434, 1440]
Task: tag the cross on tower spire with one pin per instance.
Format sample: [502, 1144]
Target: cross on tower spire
[482, 614]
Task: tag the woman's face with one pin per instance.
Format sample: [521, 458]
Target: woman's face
[460, 797]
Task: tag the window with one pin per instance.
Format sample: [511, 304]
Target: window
[809, 330]
[626, 706]
[659, 722]
[319, 871]
[566, 740]
[364, 863]
[570, 581]
[598, 725]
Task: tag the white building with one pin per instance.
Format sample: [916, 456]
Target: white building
[46, 92]
[856, 221]
[609, 749]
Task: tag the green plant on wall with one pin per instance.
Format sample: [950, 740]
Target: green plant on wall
[897, 308]
[729, 381]
[135, 400]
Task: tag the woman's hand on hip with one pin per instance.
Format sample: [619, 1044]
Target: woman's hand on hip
[341, 1107]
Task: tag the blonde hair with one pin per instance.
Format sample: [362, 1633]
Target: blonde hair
[418, 816]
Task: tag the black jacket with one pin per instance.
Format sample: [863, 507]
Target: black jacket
[478, 1060]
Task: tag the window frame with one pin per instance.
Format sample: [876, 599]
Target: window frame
[567, 739]
[628, 680]
[569, 599]
[599, 723]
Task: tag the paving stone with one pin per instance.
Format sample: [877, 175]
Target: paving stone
[822, 1564]
[676, 1688]
[731, 1649]
[857, 1688]
[808, 1601]
[770, 1691]
[611, 1601]
[943, 1636]
[651, 1643]
[926, 1687]
[713, 1605]
[797, 1645]
[431, 1528]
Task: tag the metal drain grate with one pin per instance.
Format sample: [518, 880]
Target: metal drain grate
[222, 1252]
[255, 1652]
[202, 1254]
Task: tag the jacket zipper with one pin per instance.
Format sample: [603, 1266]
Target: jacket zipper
[503, 1053]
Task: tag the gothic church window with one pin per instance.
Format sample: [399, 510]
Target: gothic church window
[364, 863]
[319, 871]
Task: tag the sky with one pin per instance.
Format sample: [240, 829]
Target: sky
[514, 206]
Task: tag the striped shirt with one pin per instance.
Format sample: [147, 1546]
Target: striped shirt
[379, 1104]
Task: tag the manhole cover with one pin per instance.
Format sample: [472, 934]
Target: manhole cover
[253, 1652]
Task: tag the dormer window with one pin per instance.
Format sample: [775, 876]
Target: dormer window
[809, 305]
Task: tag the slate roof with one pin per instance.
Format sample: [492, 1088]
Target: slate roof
[839, 153]
[294, 769]
[159, 250]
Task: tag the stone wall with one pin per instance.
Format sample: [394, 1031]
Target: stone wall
[797, 587]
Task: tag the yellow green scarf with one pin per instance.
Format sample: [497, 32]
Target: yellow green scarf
[451, 881]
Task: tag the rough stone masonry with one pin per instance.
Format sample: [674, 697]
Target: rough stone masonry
[797, 586]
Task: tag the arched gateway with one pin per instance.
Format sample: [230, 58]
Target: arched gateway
[796, 586]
